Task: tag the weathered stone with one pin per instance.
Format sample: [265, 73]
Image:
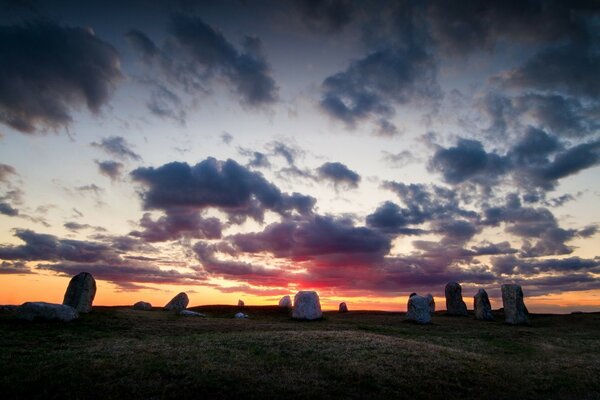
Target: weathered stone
[343, 308]
[241, 303]
[431, 303]
[307, 306]
[285, 302]
[46, 311]
[240, 315]
[454, 301]
[189, 313]
[482, 306]
[418, 309]
[515, 312]
[81, 292]
[178, 303]
[143, 306]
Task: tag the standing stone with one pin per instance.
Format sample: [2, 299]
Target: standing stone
[418, 309]
[143, 306]
[307, 306]
[515, 311]
[46, 311]
[285, 302]
[241, 303]
[431, 303]
[482, 306]
[81, 292]
[343, 308]
[178, 303]
[454, 301]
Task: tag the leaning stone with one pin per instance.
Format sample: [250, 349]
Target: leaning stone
[177, 303]
[81, 292]
[418, 309]
[241, 303]
[143, 306]
[515, 312]
[482, 306]
[240, 315]
[189, 313]
[343, 308]
[285, 302]
[307, 306]
[431, 303]
[46, 311]
[454, 301]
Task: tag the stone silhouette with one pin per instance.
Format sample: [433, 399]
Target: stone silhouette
[81, 292]
[515, 312]
[307, 306]
[143, 306]
[343, 308]
[241, 303]
[482, 306]
[178, 303]
[285, 302]
[431, 303]
[418, 309]
[454, 301]
[46, 311]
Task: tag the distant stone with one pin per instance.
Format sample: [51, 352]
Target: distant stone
[178, 303]
[81, 292]
[46, 311]
[307, 306]
[454, 301]
[241, 303]
[418, 309]
[285, 302]
[482, 306]
[431, 303]
[240, 315]
[143, 306]
[343, 308]
[189, 313]
[515, 312]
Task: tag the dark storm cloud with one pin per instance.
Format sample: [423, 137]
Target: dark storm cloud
[226, 185]
[178, 223]
[111, 169]
[326, 15]
[7, 209]
[117, 146]
[207, 53]
[391, 218]
[339, 174]
[76, 226]
[511, 265]
[47, 70]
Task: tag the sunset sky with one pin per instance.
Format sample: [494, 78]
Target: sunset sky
[251, 149]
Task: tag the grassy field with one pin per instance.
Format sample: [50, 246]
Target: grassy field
[116, 352]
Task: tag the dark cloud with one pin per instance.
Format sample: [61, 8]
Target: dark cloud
[339, 174]
[76, 226]
[178, 223]
[6, 171]
[142, 43]
[7, 209]
[226, 137]
[326, 15]
[118, 147]
[391, 218]
[19, 267]
[48, 70]
[111, 169]
[511, 265]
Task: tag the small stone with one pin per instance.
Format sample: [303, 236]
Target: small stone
[418, 309]
[454, 301]
[143, 306]
[307, 306]
[81, 292]
[46, 311]
[241, 303]
[178, 303]
[431, 303]
[189, 313]
[482, 306]
[285, 302]
[343, 308]
[240, 315]
[515, 312]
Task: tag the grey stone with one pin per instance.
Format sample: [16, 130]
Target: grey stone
[143, 306]
[454, 301]
[240, 315]
[307, 306]
[482, 306]
[241, 303]
[515, 312]
[431, 303]
[177, 303]
[343, 308]
[418, 309]
[81, 292]
[189, 313]
[46, 311]
[285, 302]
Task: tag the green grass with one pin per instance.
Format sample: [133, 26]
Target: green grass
[116, 352]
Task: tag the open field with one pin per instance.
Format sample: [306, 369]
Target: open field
[116, 352]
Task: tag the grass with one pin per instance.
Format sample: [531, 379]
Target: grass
[116, 352]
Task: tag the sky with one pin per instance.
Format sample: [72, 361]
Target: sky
[251, 149]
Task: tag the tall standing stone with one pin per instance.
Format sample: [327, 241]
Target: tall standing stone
[482, 306]
[418, 309]
[178, 303]
[515, 311]
[343, 308]
[307, 306]
[81, 292]
[431, 303]
[241, 303]
[454, 301]
[285, 302]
